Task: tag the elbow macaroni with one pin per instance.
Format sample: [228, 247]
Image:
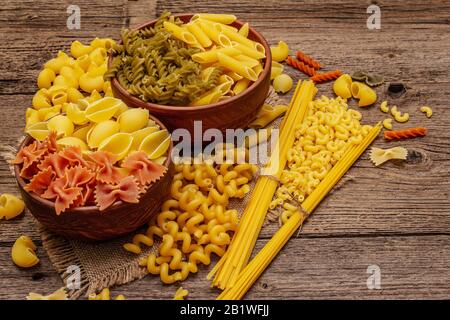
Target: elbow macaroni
[427, 110]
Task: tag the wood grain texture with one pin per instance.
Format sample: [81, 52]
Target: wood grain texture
[396, 216]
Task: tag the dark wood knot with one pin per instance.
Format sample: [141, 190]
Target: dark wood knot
[414, 156]
[396, 89]
[37, 276]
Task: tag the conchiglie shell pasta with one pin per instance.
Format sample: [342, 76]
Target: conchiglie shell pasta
[61, 124]
[38, 131]
[118, 144]
[161, 149]
[72, 141]
[45, 78]
[101, 131]
[153, 141]
[133, 119]
[10, 206]
[47, 113]
[141, 134]
[75, 114]
[41, 100]
[81, 133]
[342, 86]
[31, 117]
[103, 109]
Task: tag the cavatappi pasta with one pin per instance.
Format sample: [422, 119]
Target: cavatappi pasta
[176, 63]
[194, 221]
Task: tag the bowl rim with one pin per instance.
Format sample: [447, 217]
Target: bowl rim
[90, 209]
[159, 107]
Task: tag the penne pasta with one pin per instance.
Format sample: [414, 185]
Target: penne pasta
[243, 31]
[250, 62]
[211, 55]
[248, 51]
[236, 66]
[180, 33]
[241, 86]
[221, 18]
[199, 34]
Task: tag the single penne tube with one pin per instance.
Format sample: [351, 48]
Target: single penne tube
[224, 87]
[199, 34]
[250, 52]
[211, 55]
[180, 33]
[260, 48]
[250, 61]
[234, 36]
[223, 40]
[206, 73]
[208, 28]
[258, 69]
[220, 27]
[209, 97]
[233, 75]
[243, 31]
[224, 78]
[241, 85]
[236, 66]
[222, 18]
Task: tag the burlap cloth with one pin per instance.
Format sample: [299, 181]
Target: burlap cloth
[107, 264]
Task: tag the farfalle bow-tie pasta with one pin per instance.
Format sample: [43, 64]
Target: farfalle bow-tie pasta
[379, 156]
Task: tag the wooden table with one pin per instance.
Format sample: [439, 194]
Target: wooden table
[396, 217]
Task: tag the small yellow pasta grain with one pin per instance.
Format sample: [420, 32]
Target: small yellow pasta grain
[399, 117]
[23, 252]
[427, 110]
[384, 107]
[387, 123]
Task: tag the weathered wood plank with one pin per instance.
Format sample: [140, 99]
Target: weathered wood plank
[334, 268]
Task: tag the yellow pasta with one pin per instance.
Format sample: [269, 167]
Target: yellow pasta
[398, 116]
[366, 95]
[211, 55]
[342, 86]
[243, 31]
[384, 107]
[90, 83]
[427, 110]
[387, 123]
[118, 144]
[133, 119]
[236, 66]
[221, 18]
[267, 114]
[10, 206]
[282, 83]
[241, 86]
[217, 37]
[280, 52]
[199, 34]
[379, 156]
[61, 124]
[23, 252]
[46, 78]
[104, 295]
[180, 294]
[77, 49]
[248, 51]
[59, 294]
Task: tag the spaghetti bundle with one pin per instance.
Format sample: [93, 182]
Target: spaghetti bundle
[257, 266]
[261, 261]
[228, 268]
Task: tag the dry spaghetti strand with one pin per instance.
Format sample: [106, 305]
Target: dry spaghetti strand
[327, 76]
[405, 134]
[301, 66]
[308, 60]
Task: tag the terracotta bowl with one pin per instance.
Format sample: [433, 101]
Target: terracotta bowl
[233, 113]
[89, 223]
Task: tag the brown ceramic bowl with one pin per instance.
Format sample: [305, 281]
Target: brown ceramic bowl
[89, 223]
[233, 113]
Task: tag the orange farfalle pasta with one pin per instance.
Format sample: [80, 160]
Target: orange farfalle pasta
[40, 182]
[327, 76]
[145, 171]
[405, 134]
[67, 190]
[106, 171]
[56, 162]
[308, 60]
[126, 190]
[29, 156]
[301, 66]
[74, 156]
